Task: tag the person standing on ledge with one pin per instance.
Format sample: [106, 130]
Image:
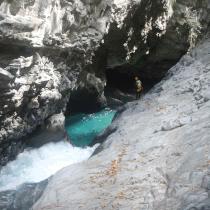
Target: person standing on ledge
[138, 88]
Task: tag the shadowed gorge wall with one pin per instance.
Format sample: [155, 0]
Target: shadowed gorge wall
[125, 82]
[148, 41]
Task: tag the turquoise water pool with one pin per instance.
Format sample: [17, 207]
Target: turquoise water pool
[82, 128]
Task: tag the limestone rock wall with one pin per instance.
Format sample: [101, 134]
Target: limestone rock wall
[146, 38]
[54, 47]
[44, 46]
[35, 88]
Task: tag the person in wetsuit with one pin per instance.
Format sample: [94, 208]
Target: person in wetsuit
[138, 88]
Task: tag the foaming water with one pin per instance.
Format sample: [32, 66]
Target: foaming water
[35, 165]
[82, 128]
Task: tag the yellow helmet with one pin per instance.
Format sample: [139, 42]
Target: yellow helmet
[136, 78]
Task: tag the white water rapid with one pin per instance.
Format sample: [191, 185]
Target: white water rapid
[35, 165]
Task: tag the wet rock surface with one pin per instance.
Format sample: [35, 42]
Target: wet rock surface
[53, 130]
[116, 97]
[157, 157]
[88, 96]
[23, 197]
[31, 95]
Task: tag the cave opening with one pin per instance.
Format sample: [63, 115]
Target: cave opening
[125, 82]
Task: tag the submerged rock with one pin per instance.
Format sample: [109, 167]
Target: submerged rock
[140, 165]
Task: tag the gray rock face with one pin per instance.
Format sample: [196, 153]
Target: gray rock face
[88, 96]
[149, 37]
[116, 97]
[154, 155]
[32, 93]
[53, 130]
[44, 46]
[23, 197]
[206, 95]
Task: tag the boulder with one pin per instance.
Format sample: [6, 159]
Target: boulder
[53, 130]
[23, 197]
[117, 97]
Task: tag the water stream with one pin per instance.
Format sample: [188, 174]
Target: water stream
[35, 165]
